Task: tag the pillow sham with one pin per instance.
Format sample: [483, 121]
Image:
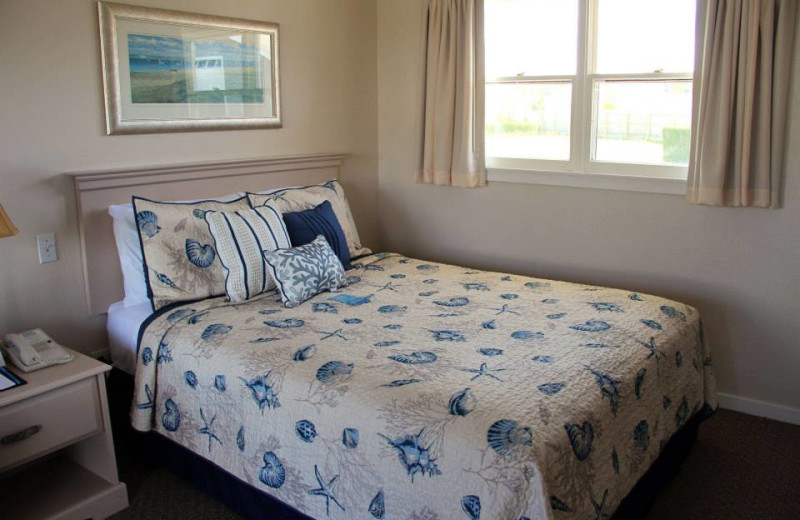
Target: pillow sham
[299, 199]
[241, 237]
[180, 261]
[305, 271]
[305, 226]
[126, 237]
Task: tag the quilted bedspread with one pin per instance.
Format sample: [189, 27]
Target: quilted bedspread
[428, 391]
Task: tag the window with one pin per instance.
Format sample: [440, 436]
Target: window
[590, 86]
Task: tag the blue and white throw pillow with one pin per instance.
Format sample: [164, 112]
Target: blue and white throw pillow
[305, 271]
[241, 237]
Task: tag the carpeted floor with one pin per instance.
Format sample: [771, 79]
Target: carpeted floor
[741, 468]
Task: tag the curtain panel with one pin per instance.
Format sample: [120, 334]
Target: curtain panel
[743, 72]
[453, 140]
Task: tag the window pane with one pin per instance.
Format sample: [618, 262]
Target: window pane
[528, 120]
[643, 122]
[637, 36]
[531, 37]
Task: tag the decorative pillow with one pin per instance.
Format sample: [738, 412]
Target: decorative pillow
[305, 271]
[299, 199]
[241, 237]
[180, 260]
[305, 226]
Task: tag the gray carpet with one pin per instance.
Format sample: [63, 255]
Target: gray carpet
[742, 467]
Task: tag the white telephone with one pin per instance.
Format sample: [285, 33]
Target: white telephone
[33, 349]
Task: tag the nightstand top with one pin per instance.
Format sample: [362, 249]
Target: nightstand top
[47, 379]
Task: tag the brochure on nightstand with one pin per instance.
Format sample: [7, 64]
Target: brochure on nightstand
[9, 380]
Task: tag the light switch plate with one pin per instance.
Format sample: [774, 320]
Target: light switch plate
[47, 248]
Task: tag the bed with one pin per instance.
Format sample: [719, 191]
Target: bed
[424, 390]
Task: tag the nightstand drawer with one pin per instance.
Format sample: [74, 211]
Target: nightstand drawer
[49, 421]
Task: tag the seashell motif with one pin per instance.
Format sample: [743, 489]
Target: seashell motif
[392, 309]
[558, 505]
[220, 383]
[352, 280]
[200, 255]
[415, 358]
[581, 438]
[332, 370]
[551, 388]
[263, 393]
[263, 340]
[413, 456]
[393, 326]
[543, 359]
[682, 414]
[606, 307]
[599, 345]
[171, 418]
[652, 324]
[240, 439]
[609, 388]
[200, 213]
[638, 384]
[147, 356]
[591, 326]
[550, 301]
[491, 352]
[352, 321]
[377, 507]
[462, 403]
[425, 294]
[197, 318]
[306, 430]
[678, 359]
[269, 311]
[527, 334]
[402, 382]
[556, 316]
[272, 473]
[537, 285]
[641, 436]
[180, 313]
[615, 460]
[191, 378]
[386, 343]
[509, 296]
[217, 329]
[665, 402]
[165, 280]
[397, 276]
[304, 353]
[289, 323]
[147, 221]
[636, 297]
[448, 335]
[489, 325]
[427, 267]
[353, 301]
[506, 279]
[373, 267]
[471, 505]
[164, 355]
[453, 302]
[430, 281]
[475, 286]
[324, 307]
[672, 312]
[350, 438]
[505, 436]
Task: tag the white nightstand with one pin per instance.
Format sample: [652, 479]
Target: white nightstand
[56, 451]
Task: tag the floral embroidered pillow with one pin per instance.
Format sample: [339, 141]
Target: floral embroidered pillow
[180, 260]
[305, 271]
[299, 199]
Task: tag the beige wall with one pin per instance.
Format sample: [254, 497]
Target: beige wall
[51, 121]
[740, 267]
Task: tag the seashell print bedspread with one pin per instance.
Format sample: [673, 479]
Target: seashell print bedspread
[428, 391]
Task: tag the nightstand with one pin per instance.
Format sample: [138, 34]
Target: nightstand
[56, 451]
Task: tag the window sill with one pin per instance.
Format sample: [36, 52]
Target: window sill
[598, 181]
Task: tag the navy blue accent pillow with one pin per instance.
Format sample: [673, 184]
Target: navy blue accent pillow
[305, 226]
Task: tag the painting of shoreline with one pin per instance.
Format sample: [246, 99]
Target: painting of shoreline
[173, 70]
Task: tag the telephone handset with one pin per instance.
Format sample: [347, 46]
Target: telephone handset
[33, 349]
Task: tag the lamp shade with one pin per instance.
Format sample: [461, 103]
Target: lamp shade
[7, 228]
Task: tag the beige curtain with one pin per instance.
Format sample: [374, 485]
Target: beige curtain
[452, 149]
[740, 102]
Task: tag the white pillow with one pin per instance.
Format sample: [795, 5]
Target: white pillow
[126, 235]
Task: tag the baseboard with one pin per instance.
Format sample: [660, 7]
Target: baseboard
[759, 408]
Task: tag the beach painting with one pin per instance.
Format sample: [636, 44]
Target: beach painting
[229, 68]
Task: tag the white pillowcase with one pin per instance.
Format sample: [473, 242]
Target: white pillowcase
[126, 236]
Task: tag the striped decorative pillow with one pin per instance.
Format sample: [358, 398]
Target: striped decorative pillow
[241, 238]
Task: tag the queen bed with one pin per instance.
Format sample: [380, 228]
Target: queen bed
[416, 389]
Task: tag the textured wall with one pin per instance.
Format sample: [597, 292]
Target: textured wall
[51, 121]
[738, 266]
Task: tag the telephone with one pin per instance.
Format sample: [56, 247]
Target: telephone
[34, 349]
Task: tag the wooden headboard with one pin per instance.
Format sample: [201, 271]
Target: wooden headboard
[97, 190]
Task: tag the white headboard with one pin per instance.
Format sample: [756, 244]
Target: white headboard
[97, 190]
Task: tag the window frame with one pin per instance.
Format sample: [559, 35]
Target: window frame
[666, 178]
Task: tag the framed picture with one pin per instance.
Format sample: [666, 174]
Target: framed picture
[169, 71]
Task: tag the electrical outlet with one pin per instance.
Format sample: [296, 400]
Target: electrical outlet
[48, 252]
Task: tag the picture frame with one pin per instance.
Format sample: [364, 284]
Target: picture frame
[172, 71]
